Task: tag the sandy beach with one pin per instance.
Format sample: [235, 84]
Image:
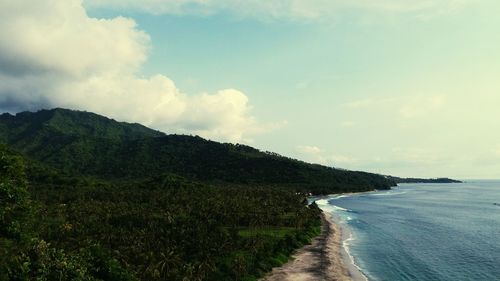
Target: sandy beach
[323, 260]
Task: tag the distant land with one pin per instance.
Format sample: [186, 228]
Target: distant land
[422, 180]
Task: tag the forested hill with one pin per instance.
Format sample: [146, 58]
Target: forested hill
[422, 180]
[82, 143]
[69, 123]
[84, 197]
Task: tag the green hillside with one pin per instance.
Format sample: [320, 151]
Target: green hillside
[421, 180]
[91, 145]
[25, 125]
[166, 228]
[84, 197]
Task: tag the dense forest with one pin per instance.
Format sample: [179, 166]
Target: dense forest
[421, 180]
[84, 197]
[86, 144]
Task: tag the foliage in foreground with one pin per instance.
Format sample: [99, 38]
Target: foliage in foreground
[104, 200]
[24, 254]
[165, 228]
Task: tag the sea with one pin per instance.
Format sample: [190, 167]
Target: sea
[422, 231]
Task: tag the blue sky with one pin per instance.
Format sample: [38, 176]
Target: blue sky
[396, 87]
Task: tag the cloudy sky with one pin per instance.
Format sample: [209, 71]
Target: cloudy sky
[409, 88]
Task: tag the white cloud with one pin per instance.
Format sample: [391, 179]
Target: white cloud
[422, 106]
[283, 9]
[342, 160]
[307, 149]
[315, 154]
[52, 54]
[311, 154]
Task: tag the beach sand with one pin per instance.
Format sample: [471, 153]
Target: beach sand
[324, 260]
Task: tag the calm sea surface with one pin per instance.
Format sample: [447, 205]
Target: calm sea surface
[424, 231]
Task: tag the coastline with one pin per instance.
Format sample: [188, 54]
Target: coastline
[325, 259]
[354, 270]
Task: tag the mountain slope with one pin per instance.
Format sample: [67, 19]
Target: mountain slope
[92, 145]
[118, 201]
[422, 180]
[19, 127]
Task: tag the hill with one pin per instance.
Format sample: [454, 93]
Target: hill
[106, 200]
[422, 180]
[25, 125]
[166, 228]
[88, 144]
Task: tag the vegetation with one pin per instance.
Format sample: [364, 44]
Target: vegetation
[166, 228]
[24, 254]
[420, 180]
[79, 143]
[83, 197]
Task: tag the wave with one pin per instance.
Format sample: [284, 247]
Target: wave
[388, 193]
[322, 202]
[331, 208]
[340, 196]
[346, 243]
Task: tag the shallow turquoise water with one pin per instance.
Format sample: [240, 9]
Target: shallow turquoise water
[424, 231]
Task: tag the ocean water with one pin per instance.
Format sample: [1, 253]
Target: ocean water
[423, 231]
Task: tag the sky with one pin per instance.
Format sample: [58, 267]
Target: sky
[399, 87]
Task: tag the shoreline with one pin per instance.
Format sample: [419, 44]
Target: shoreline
[325, 259]
[354, 270]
